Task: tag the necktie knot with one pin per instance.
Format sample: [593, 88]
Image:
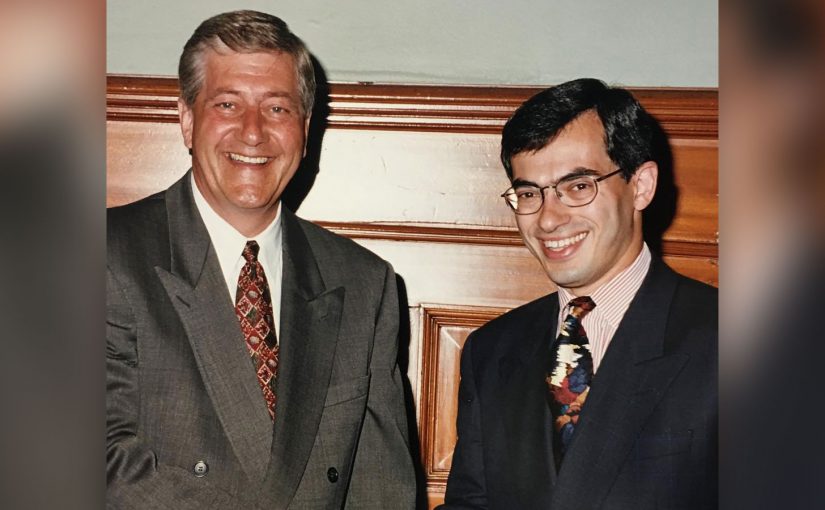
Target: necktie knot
[581, 306]
[250, 251]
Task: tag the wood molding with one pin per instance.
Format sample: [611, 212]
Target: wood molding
[141, 98]
[435, 318]
[683, 113]
[487, 236]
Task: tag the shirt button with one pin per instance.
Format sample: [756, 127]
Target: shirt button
[332, 475]
[200, 469]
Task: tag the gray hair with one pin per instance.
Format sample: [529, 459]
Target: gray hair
[247, 32]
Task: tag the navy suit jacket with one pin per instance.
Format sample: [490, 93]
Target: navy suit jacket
[647, 436]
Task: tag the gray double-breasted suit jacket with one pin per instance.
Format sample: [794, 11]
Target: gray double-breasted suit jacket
[187, 426]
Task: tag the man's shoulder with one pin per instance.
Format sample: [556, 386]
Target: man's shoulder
[525, 314]
[137, 231]
[697, 296]
[697, 287]
[145, 212]
[333, 248]
[509, 330]
[693, 319]
[687, 293]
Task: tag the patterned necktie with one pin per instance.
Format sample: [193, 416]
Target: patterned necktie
[570, 375]
[253, 306]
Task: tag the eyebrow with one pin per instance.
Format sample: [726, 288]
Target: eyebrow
[576, 172]
[285, 95]
[220, 92]
[524, 182]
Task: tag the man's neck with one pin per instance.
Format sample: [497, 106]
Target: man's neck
[630, 256]
[249, 223]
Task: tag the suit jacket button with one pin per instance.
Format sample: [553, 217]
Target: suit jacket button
[332, 475]
[200, 469]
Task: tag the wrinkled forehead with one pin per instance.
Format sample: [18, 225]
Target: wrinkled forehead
[242, 67]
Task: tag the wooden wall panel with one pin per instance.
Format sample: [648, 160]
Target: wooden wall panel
[697, 179]
[445, 331]
[464, 274]
[384, 141]
[406, 185]
[412, 173]
[142, 158]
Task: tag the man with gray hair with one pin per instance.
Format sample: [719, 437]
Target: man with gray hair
[251, 355]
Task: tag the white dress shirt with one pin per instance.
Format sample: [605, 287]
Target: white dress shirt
[229, 244]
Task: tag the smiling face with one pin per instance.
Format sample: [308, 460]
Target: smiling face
[247, 133]
[581, 248]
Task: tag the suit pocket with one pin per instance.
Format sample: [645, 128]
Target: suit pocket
[662, 445]
[349, 389]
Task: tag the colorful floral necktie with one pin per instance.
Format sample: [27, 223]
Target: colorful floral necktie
[570, 375]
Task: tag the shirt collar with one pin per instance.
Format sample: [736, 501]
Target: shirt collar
[229, 243]
[613, 297]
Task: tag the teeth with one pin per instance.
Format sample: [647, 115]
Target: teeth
[247, 159]
[563, 243]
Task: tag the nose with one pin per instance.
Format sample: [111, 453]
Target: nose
[252, 130]
[553, 213]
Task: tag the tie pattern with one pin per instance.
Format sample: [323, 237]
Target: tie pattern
[253, 307]
[570, 375]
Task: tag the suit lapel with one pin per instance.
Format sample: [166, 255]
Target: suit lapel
[310, 318]
[526, 415]
[197, 290]
[631, 380]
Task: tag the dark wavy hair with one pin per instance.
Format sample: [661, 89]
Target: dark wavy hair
[629, 130]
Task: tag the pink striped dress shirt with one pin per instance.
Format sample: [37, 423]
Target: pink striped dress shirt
[612, 300]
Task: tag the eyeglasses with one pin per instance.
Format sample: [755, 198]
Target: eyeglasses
[573, 191]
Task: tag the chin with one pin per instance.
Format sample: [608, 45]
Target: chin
[251, 197]
[562, 279]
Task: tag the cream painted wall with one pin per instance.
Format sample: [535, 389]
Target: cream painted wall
[515, 42]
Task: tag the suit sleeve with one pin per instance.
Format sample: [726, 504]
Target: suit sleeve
[383, 475]
[466, 485]
[134, 477]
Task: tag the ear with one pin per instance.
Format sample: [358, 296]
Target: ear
[645, 180]
[306, 134]
[185, 116]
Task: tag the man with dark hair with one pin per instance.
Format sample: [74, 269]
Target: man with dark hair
[251, 355]
[604, 394]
